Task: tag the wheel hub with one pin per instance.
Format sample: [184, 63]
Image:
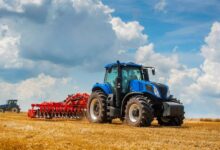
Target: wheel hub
[95, 109]
[134, 113]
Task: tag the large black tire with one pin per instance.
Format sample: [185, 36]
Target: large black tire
[142, 115]
[97, 108]
[170, 121]
[15, 109]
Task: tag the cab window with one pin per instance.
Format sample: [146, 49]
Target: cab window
[110, 77]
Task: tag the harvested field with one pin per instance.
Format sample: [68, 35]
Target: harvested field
[19, 132]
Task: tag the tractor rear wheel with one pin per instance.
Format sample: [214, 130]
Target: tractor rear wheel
[170, 121]
[97, 108]
[138, 112]
[15, 109]
[2, 110]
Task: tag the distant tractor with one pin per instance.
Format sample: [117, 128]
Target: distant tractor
[11, 106]
[127, 93]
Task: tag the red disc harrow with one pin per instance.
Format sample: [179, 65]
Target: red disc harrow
[74, 106]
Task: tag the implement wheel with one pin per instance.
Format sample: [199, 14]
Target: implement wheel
[138, 112]
[97, 107]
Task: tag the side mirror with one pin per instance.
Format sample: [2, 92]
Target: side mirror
[153, 71]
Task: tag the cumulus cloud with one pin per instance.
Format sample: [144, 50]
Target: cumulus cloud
[38, 89]
[8, 48]
[14, 67]
[147, 55]
[130, 33]
[72, 28]
[70, 33]
[210, 50]
[198, 88]
[208, 84]
[203, 92]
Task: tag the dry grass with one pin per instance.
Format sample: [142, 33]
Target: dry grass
[19, 132]
[209, 120]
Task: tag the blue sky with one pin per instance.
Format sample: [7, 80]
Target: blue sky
[180, 25]
[51, 48]
[177, 24]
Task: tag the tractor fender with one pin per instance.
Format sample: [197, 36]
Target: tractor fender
[125, 100]
[104, 87]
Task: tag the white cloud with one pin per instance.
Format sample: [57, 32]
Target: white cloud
[50, 34]
[208, 84]
[64, 29]
[146, 55]
[204, 90]
[179, 82]
[9, 48]
[161, 6]
[82, 5]
[211, 50]
[38, 89]
[11, 60]
[177, 77]
[130, 33]
[18, 5]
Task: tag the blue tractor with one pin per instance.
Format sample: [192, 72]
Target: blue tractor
[127, 93]
[10, 106]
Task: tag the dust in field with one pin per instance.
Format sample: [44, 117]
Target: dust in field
[19, 132]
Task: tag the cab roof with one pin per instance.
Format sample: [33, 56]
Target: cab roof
[122, 64]
[12, 100]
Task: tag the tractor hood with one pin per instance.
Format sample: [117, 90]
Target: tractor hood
[163, 89]
[3, 106]
[158, 90]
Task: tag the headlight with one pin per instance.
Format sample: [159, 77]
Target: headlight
[168, 93]
[156, 92]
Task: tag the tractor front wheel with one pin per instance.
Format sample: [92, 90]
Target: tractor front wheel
[97, 108]
[15, 109]
[138, 112]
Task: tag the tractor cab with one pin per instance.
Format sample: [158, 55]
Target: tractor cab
[12, 102]
[123, 74]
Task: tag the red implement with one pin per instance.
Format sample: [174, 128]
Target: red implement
[74, 106]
